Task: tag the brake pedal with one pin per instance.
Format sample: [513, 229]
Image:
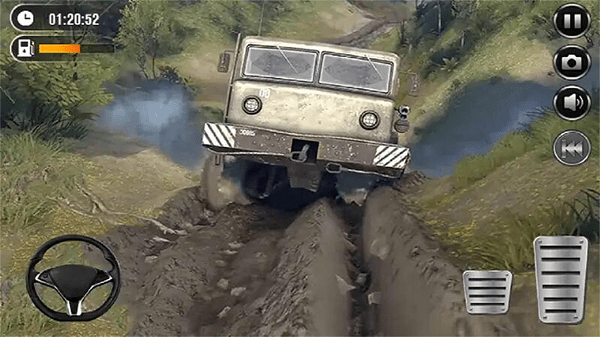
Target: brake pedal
[560, 273]
[487, 291]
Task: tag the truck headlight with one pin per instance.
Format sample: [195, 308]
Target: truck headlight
[251, 105]
[369, 120]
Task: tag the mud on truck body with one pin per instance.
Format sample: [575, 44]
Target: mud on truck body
[311, 108]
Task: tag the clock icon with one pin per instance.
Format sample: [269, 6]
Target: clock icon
[25, 18]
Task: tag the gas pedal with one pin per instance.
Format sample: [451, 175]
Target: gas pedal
[560, 271]
[487, 291]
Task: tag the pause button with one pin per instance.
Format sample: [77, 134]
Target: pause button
[572, 21]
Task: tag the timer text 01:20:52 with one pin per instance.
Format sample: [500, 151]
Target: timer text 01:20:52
[73, 19]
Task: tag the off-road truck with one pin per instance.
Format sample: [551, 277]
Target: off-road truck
[310, 108]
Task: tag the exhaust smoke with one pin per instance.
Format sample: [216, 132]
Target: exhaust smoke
[161, 113]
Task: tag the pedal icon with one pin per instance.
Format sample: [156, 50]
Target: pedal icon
[560, 270]
[487, 291]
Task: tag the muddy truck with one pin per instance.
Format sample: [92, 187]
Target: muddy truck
[303, 110]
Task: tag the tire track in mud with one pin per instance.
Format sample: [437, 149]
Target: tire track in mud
[247, 270]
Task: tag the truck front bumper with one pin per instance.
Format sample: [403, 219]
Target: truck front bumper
[333, 154]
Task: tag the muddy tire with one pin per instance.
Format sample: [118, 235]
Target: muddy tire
[211, 175]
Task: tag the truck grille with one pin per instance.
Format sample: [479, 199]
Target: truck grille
[487, 291]
[560, 270]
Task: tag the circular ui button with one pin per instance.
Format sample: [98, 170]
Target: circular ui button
[572, 21]
[572, 62]
[572, 148]
[572, 103]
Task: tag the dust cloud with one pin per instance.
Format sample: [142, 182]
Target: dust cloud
[161, 113]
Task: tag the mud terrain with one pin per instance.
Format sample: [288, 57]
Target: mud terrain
[246, 270]
[256, 270]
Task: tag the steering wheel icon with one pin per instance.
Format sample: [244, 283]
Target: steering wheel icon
[73, 282]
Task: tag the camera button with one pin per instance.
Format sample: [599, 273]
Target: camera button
[572, 62]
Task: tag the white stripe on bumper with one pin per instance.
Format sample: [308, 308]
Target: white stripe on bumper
[391, 156]
[219, 135]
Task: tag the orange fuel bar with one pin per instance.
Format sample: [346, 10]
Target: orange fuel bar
[60, 49]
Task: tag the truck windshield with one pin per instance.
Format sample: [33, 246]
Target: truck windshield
[276, 62]
[360, 73]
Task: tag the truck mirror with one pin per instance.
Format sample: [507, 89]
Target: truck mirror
[224, 59]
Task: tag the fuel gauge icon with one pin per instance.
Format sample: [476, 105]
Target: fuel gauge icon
[25, 48]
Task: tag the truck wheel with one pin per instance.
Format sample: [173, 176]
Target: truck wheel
[211, 177]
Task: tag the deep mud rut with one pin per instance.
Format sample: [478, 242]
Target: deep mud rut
[329, 269]
[247, 270]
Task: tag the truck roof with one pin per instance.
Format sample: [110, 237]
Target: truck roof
[267, 41]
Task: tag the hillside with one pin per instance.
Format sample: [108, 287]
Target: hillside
[487, 212]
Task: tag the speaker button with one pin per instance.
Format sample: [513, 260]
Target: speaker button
[572, 102]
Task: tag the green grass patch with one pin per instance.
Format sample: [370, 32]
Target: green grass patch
[32, 171]
[505, 210]
[508, 243]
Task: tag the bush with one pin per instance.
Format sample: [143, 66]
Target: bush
[45, 121]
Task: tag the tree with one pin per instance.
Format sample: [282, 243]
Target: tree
[148, 30]
[462, 11]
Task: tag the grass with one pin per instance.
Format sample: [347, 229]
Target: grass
[540, 133]
[28, 165]
[492, 212]
[388, 42]
[508, 244]
[32, 172]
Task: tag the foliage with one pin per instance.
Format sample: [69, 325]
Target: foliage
[449, 64]
[586, 214]
[46, 122]
[465, 24]
[149, 29]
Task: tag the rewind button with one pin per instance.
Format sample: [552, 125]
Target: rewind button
[572, 148]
